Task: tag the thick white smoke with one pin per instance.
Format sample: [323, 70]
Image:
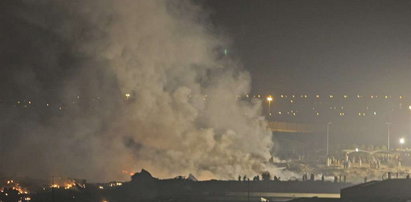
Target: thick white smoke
[183, 114]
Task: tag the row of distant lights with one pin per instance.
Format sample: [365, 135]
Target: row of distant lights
[345, 96]
[331, 108]
[335, 108]
[128, 95]
[318, 113]
[29, 102]
[270, 98]
[318, 96]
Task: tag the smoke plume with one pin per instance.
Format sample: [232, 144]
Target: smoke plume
[96, 89]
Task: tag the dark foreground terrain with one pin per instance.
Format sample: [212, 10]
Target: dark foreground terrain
[144, 187]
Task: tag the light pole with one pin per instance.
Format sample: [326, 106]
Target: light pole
[269, 100]
[388, 135]
[402, 141]
[127, 95]
[328, 136]
[409, 119]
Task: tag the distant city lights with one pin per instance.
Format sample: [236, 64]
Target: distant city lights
[336, 105]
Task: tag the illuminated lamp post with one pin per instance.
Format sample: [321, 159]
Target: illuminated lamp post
[127, 95]
[269, 100]
[402, 142]
[409, 114]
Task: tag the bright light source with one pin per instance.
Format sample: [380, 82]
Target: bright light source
[55, 186]
[402, 140]
[409, 107]
[356, 149]
[269, 98]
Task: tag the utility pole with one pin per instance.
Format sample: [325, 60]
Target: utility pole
[269, 100]
[388, 135]
[328, 136]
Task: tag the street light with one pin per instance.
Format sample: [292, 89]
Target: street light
[269, 100]
[402, 141]
[127, 95]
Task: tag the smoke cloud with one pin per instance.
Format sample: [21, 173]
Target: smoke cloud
[95, 89]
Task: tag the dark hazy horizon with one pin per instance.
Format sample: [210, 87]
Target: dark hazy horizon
[320, 46]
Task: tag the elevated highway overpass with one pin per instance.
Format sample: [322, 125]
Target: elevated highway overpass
[289, 127]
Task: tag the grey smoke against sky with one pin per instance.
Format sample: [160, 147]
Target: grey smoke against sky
[81, 57]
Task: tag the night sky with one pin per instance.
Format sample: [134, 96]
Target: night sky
[93, 88]
[320, 46]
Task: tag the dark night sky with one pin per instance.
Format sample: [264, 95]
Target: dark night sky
[320, 46]
[67, 66]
